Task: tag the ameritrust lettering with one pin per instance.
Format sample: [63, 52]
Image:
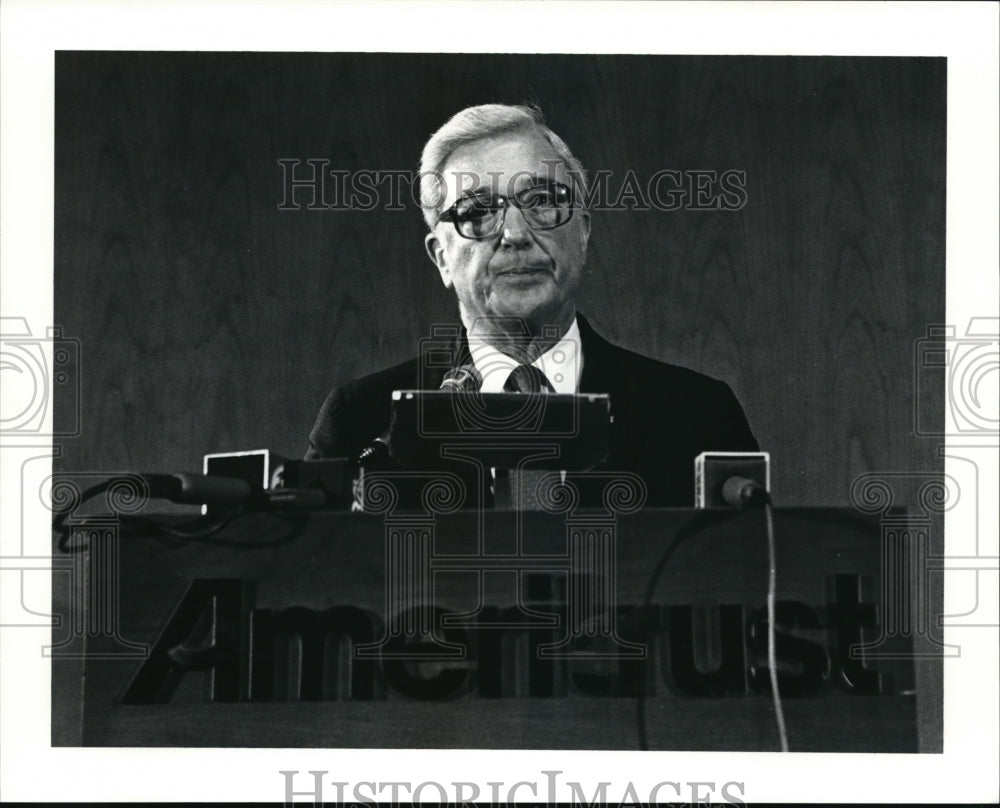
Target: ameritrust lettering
[216, 628]
[463, 792]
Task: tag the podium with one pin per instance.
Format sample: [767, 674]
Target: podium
[614, 628]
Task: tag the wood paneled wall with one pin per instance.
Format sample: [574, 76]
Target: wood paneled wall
[210, 320]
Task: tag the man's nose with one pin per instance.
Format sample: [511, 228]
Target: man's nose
[516, 230]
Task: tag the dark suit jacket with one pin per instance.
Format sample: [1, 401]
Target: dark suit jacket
[664, 415]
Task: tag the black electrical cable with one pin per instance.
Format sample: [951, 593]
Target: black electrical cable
[202, 529]
[205, 534]
[772, 662]
[742, 492]
[705, 520]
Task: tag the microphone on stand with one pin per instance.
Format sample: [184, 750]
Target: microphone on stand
[463, 379]
[378, 448]
[742, 492]
[199, 489]
[732, 479]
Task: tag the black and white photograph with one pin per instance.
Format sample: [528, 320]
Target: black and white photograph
[421, 418]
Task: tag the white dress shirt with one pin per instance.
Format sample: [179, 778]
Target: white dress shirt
[561, 364]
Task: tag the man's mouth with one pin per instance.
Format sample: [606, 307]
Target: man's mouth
[525, 270]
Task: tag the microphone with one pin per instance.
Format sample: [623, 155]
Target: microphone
[731, 479]
[378, 448]
[313, 483]
[740, 492]
[198, 489]
[463, 379]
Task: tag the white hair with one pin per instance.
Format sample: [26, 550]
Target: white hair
[479, 123]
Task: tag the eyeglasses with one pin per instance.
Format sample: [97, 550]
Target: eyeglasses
[478, 216]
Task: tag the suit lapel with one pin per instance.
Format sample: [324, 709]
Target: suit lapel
[609, 369]
[601, 373]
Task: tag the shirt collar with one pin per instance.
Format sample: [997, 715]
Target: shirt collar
[562, 363]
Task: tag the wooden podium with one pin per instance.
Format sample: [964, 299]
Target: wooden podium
[609, 629]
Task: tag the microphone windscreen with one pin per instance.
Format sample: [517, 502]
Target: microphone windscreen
[204, 490]
[738, 491]
[714, 470]
[462, 379]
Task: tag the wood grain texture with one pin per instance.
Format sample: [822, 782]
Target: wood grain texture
[210, 320]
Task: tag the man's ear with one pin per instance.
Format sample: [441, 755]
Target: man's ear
[435, 249]
[584, 230]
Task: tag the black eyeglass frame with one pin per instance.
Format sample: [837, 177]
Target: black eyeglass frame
[503, 201]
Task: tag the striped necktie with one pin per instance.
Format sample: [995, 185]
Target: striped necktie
[528, 379]
[518, 489]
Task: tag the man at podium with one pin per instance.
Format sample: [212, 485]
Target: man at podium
[504, 201]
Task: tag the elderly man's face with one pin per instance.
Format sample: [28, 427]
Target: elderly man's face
[520, 272]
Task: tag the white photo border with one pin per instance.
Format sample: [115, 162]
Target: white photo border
[31, 33]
